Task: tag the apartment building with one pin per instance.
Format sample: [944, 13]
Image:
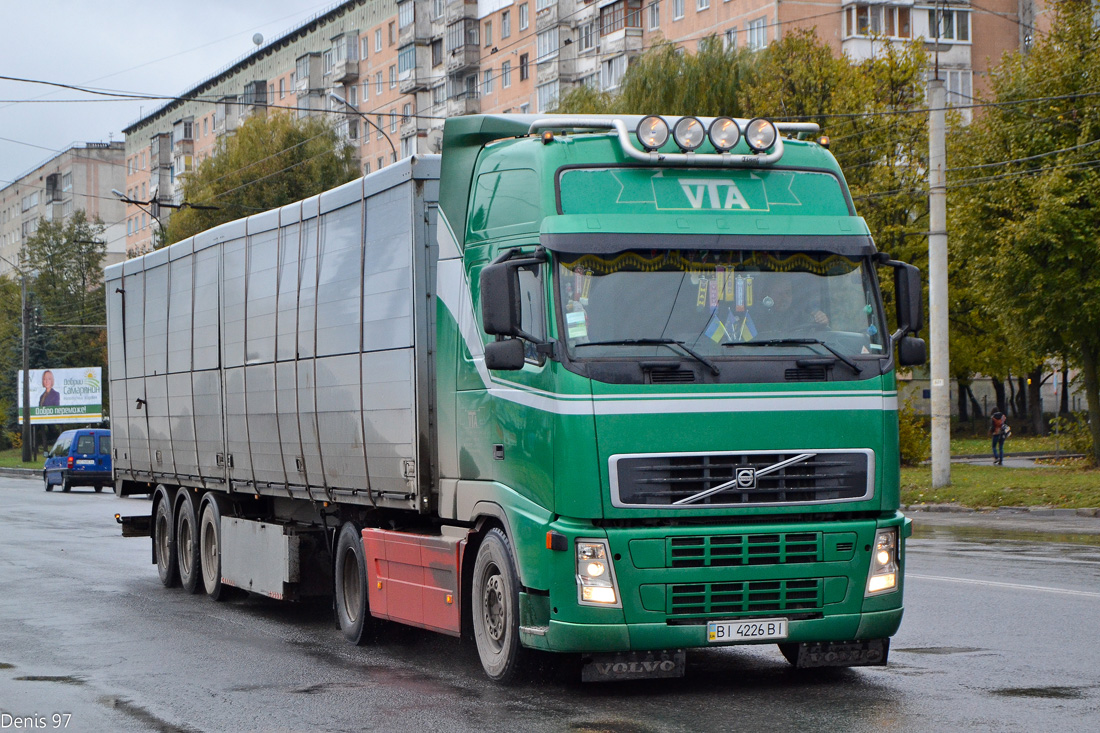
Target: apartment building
[80, 177]
[391, 71]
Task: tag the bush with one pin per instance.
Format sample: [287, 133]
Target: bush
[1073, 432]
[13, 438]
[914, 440]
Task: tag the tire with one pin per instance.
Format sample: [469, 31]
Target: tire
[187, 542]
[98, 488]
[350, 579]
[46, 480]
[210, 543]
[494, 607]
[164, 538]
[66, 485]
[790, 653]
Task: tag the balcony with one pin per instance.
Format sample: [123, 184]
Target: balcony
[459, 9]
[345, 71]
[467, 103]
[463, 57]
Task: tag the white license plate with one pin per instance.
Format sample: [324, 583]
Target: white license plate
[760, 629]
[85, 462]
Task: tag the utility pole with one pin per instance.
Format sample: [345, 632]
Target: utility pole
[27, 434]
[937, 283]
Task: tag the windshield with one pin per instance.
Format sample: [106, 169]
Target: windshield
[632, 303]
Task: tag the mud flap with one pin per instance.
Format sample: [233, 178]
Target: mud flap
[633, 666]
[870, 653]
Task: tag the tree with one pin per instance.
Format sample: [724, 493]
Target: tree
[1028, 215]
[269, 162]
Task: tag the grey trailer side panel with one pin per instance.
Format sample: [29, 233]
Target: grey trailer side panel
[339, 425]
[137, 426]
[205, 335]
[182, 422]
[238, 460]
[181, 288]
[233, 320]
[286, 396]
[160, 436]
[134, 327]
[286, 329]
[388, 412]
[263, 425]
[307, 426]
[116, 360]
[339, 281]
[206, 390]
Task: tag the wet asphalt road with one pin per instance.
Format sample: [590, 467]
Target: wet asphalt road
[999, 634]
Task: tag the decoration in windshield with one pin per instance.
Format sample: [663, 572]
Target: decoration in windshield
[639, 303]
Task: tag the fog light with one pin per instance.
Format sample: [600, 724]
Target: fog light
[724, 134]
[880, 583]
[595, 574]
[760, 135]
[652, 132]
[689, 133]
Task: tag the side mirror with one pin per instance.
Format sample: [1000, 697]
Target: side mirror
[912, 351]
[505, 355]
[500, 303]
[909, 298]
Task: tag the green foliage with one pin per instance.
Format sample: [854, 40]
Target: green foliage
[1028, 236]
[914, 440]
[267, 163]
[1073, 433]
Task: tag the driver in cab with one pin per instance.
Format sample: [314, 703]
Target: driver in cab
[780, 313]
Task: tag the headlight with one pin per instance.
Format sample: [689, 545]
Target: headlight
[724, 134]
[883, 576]
[652, 132]
[760, 135]
[689, 133]
[595, 575]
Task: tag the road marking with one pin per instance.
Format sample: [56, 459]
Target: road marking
[996, 584]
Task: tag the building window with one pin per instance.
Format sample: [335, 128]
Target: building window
[439, 94]
[364, 46]
[488, 33]
[378, 40]
[487, 82]
[547, 46]
[404, 13]
[282, 94]
[381, 162]
[366, 168]
[505, 24]
[702, 5]
[677, 9]
[954, 25]
[67, 182]
[523, 22]
[731, 37]
[406, 112]
[506, 74]
[327, 56]
[393, 76]
[353, 95]
[366, 89]
[756, 33]
[437, 52]
[437, 8]
[960, 90]
[393, 32]
[393, 120]
[623, 14]
[586, 37]
[611, 73]
[379, 121]
[378, 84]
[654, 14]
[547, 96]
[544, 4]
[886, 20]
[406, 59]
[524, 66]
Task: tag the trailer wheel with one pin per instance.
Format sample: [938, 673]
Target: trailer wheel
[164, 538]
[350, 576]
[494, 606]
[210, 543]
[187, 542]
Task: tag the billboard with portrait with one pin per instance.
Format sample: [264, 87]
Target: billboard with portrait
[63, 396]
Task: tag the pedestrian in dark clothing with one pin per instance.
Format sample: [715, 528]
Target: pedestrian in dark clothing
[998, 430]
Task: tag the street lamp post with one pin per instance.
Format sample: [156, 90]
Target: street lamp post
[340, 100]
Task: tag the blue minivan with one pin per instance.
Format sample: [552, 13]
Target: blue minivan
[79, 458]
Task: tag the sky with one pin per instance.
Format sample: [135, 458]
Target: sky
[157, 47]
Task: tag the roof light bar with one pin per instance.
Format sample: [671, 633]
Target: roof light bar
[724, 134]
[689, 133]
[652, 132]
[760, 135]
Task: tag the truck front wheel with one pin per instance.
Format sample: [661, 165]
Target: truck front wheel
[350, 575]
[494, 605]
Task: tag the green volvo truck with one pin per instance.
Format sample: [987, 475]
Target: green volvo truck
[611, 386]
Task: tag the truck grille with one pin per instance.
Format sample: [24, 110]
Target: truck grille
[751, 478]
[756, 596]
[751, 549]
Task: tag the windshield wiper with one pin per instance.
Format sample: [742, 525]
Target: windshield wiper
[658, 342]
[799, 342]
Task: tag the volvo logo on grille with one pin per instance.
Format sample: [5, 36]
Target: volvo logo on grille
[746, 478]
